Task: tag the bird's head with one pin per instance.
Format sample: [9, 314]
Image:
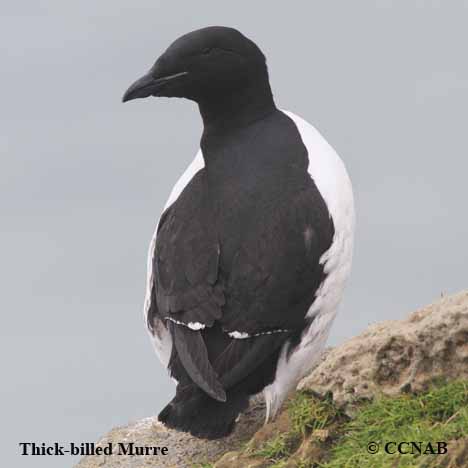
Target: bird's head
[202, 65]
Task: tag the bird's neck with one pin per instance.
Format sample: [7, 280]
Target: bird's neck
[229, 112]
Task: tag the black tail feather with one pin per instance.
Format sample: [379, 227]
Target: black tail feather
[244, 368]
[193, 354]
[192, 410]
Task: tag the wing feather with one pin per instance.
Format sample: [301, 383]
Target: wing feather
[193, 355]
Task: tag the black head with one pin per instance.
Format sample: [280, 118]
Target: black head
[202, 64]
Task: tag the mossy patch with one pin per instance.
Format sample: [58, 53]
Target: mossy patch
[276, 448]
[440, 414]
[309, 413]
[306, 414]
[313, 433]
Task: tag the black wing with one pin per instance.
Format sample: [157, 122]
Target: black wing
[265, 296]
[276, 272]
[273, 281]
[186, 287]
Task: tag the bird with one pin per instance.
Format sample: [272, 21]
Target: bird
[252, 251]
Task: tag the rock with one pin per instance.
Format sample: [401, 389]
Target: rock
[183, 449]
[389, 357]
[398, 356]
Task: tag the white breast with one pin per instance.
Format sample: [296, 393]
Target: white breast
[330, 176]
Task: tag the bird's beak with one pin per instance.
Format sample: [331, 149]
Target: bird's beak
[149, 85]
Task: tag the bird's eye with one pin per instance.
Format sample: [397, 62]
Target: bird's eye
[207, 50]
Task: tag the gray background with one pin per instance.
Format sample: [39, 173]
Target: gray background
[84, 178]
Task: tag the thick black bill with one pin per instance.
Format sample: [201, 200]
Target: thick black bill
[148, 85]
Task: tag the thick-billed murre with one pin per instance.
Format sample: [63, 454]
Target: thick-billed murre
[252, 251]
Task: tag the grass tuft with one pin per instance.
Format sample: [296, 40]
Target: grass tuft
[305, 464]
[309, 413]
[276, 448]
[440, 414]
[306, 414]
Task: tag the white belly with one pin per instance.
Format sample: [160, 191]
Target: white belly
[331, 178]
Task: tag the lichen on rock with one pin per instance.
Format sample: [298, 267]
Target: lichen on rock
[399, 355]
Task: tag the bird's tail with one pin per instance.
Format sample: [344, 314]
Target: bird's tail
[192, 410]
[242, 368]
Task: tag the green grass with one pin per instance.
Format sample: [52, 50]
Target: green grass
[276, 448]
[308, 413]
[280, 464]
[441, 414]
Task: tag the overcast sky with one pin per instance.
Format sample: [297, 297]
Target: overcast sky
[84, 178]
